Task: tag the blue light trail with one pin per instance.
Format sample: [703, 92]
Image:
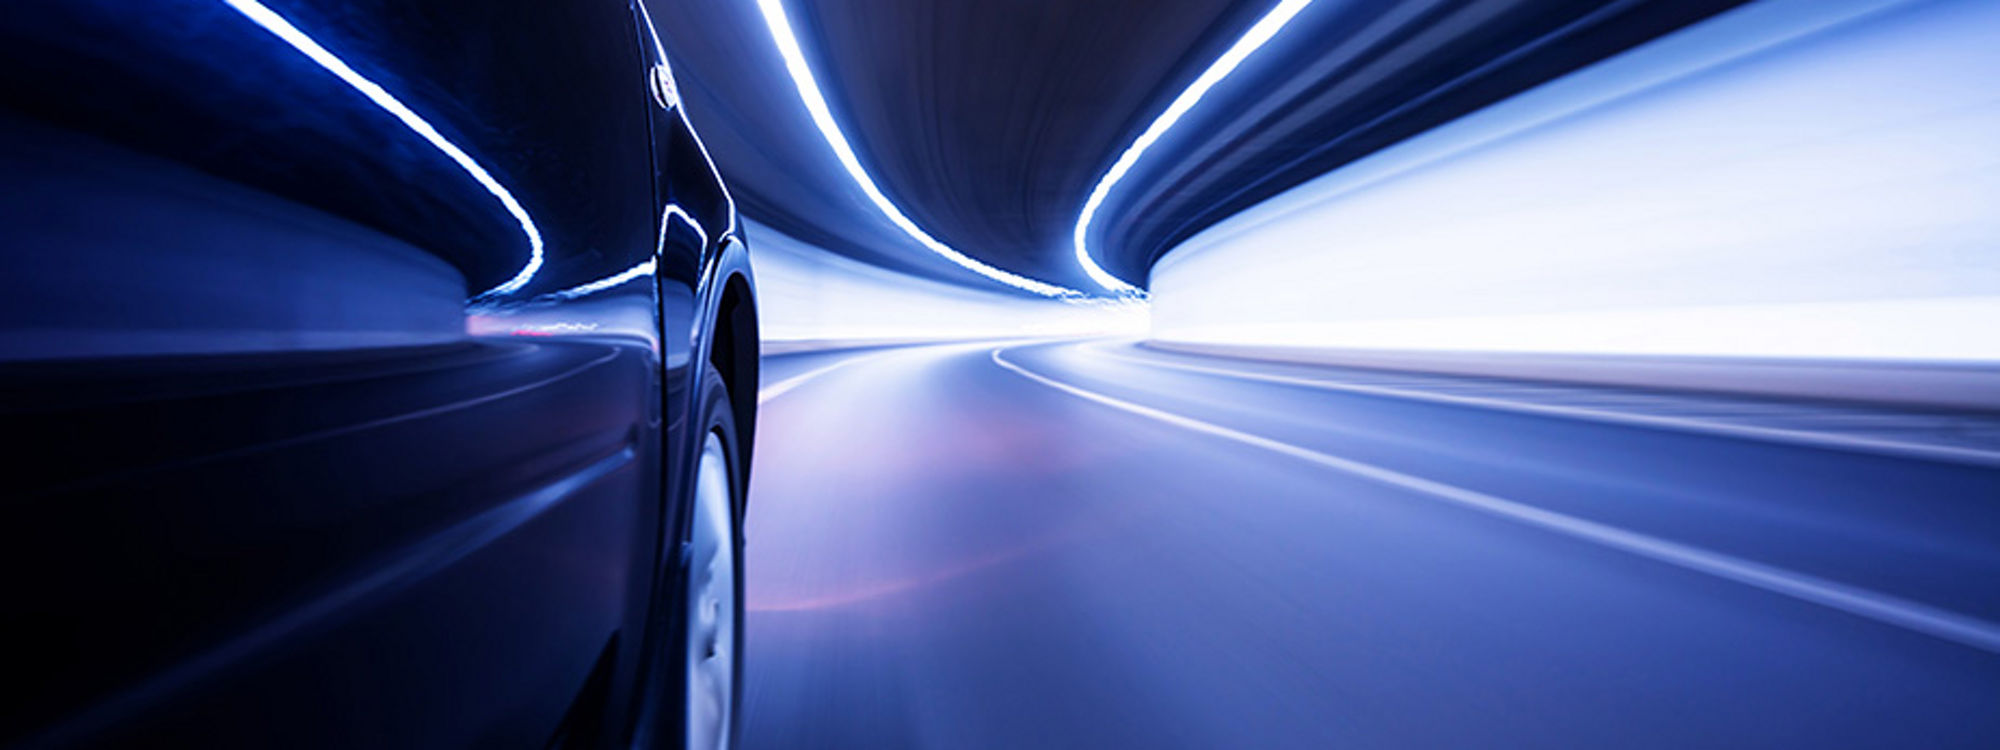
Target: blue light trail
[305, 44]
[1259, 33]
[822, 116]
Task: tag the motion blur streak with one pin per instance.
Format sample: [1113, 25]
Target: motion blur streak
[1803, 178]
[1901, 445]
[1258, 34]
[822, 115]
[1929, 620]
[1216, 561]
[811, 294]
[291, 35]
[642, 270]
[447, 548]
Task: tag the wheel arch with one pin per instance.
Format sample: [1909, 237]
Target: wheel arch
[734, 352]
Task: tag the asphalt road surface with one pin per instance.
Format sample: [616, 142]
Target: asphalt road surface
[1090, 544]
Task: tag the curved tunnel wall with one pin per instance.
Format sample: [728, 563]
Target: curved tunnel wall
[1795, 178]
[806, 293]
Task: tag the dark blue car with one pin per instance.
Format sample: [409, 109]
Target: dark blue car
[373, 373]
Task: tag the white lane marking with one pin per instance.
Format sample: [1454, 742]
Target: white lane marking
[782, 387]
[1748, 432]
[1922, 618]
[785, 386]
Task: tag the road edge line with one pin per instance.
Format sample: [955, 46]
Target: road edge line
[1921, 618]
[1778, 435]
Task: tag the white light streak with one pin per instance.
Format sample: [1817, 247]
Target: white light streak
[583, 290]
[1807, 179]
[642, 269]
[806, 292]
[822, 115]
[1261, 32]
[291, 35]
[1936, 622]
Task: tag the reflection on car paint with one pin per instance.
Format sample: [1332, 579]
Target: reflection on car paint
[305, 44]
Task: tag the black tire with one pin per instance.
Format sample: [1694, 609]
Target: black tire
[717, 417]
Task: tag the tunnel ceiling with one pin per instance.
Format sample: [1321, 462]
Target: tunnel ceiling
[989, 122]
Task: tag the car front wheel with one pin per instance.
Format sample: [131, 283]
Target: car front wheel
[713, 588]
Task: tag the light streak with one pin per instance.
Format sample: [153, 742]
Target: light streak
[822, 116]
[641, 270]
[1259, 33]
[582, 290]
[312, 49]
[1915, 616]
[1799, 179]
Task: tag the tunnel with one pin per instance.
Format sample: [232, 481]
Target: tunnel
[1034, 374]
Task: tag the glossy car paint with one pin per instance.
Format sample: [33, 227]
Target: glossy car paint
[307, 445]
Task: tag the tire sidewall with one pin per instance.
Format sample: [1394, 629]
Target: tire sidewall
[717, 417]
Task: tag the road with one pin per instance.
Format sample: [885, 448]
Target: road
[1090, 544]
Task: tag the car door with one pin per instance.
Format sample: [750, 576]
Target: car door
[332, 354]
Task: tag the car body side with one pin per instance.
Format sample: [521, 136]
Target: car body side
[349, 358]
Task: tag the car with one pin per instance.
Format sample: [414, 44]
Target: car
[373, 373]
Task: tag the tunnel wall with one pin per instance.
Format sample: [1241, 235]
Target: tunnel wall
[1805, 178]
[808, 294]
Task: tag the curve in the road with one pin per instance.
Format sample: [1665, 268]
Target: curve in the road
[1951, 626]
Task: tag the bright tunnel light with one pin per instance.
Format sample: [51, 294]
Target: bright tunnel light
[1259, 33]
[810, 294]
[822, 116]
[312, 49]
[1797, 178]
